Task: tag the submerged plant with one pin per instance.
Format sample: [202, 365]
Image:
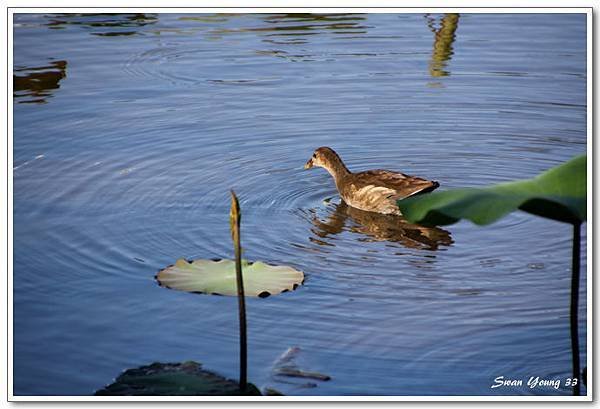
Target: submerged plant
[558, 194]
[171, 379]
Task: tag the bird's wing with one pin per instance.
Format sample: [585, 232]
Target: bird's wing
[403, 185]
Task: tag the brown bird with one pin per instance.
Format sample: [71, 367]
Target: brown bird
[371, 190]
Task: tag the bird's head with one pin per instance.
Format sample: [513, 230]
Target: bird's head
[322, 157]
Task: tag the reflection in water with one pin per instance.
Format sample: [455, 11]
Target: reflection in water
[293, 28]
[115, 33]
[338, 23]
[208, 18]
[380, 227]
[36, 82]
[442, 45]
[303, 17]
[105, 23]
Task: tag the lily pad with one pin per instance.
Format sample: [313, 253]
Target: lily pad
[558, 194]
[170, 379]
[218, 277]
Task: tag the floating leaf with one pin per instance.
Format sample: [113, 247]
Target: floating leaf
[558, 193]
[168, 379]
[218, 277]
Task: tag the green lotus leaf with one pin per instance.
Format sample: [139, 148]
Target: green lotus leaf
[558, 194]
[218, 277]
[169, 379]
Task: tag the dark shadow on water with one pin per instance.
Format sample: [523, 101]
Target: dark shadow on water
[295, 27]
[104, 24]
[277, 28]
[379, 227]
[34, 84]
[304, 17]
[443, 43]
[115, 34]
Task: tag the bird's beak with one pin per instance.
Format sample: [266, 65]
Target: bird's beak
[308, 164]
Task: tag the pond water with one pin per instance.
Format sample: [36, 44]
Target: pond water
[130, 130]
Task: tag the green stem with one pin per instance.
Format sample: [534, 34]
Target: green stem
[575, 306]
[235, 217]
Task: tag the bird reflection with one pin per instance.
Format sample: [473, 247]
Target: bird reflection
[442, 45]
[380, 227]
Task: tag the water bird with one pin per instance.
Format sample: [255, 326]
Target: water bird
[372, 190]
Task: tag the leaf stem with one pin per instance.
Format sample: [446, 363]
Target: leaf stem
[575, 306]
[234, 219]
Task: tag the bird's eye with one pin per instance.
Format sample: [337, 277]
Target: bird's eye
[314, 155]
